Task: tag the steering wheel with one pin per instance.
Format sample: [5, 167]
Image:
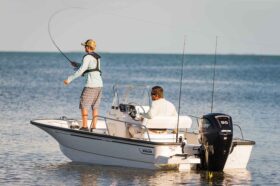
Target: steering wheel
[133, 112]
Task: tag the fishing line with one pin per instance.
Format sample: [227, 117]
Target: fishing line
[50, 33]
[214, 73]
[49, 30]
[180, 92]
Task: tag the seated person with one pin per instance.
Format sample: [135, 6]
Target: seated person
[160, 107]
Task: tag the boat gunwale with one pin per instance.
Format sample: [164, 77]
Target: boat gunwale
[91, 134]
[238, 141]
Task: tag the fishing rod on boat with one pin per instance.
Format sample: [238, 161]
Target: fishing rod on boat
[180, 92]
[214, 74]
[51, 37]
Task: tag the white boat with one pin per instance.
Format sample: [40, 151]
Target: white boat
[158, 146]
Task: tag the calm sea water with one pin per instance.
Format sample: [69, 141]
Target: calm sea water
[31, 86]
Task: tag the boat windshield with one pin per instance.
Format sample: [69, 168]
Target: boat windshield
[131, 94]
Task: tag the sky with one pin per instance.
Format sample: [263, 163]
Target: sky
[142, 26]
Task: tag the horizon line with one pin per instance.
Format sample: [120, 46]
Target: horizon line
[143, 53]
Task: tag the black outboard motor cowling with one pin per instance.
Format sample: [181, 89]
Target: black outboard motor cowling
[216, 132]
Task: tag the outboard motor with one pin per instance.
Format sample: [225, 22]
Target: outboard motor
[215, 135]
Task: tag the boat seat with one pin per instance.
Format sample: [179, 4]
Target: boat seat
[158, 126]
[168, 122]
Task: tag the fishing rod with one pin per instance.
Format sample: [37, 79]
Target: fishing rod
[51, 37]
[214, 73]
[180, 92]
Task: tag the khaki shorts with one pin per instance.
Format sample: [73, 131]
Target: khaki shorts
[90, 97]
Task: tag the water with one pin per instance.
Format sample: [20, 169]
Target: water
[31, 86]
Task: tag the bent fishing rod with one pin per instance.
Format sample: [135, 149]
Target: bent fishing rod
[51, 37]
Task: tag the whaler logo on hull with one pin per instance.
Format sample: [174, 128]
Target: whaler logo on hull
[146, 151]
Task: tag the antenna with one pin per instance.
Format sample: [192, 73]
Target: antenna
[180, 93]
[214, 73]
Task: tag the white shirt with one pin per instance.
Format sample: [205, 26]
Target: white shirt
[161, 107]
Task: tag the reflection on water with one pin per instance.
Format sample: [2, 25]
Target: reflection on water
[82, 174]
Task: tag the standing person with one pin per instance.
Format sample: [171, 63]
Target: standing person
[92, 92]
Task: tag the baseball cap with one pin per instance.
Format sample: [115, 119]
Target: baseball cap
[91, 43]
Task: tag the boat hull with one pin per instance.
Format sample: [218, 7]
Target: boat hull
[101, 149]
[239, 154]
